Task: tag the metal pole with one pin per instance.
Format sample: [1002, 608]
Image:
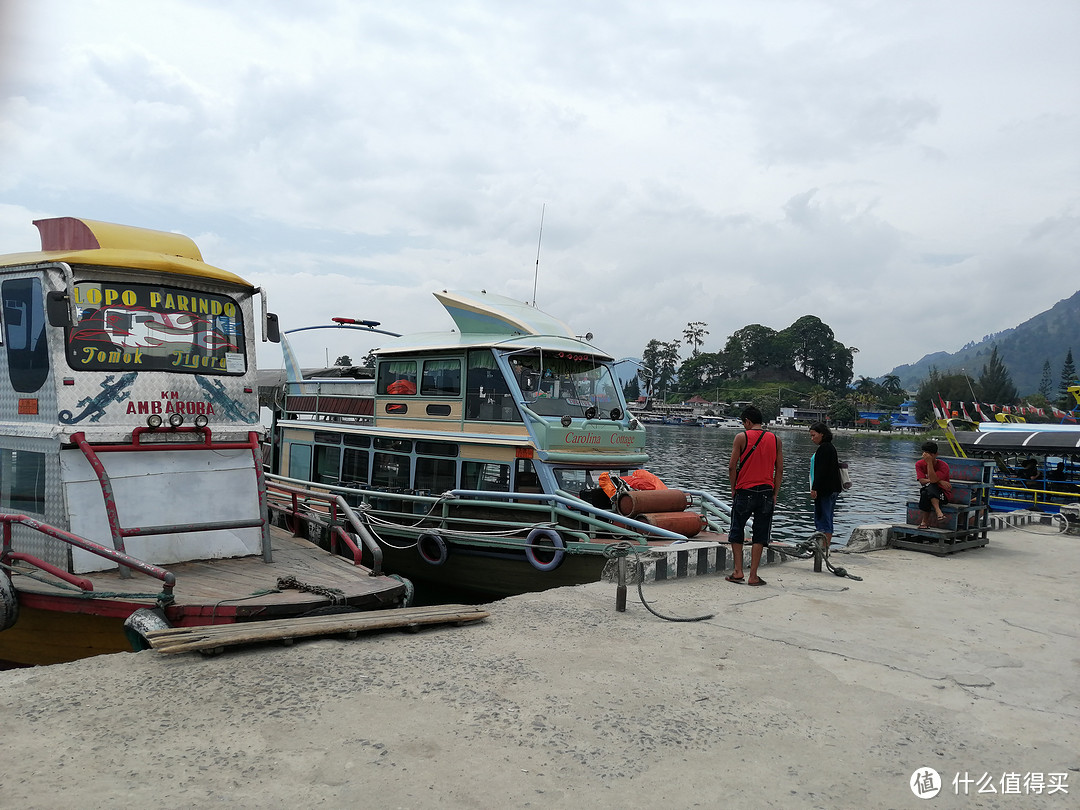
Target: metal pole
[620, 591]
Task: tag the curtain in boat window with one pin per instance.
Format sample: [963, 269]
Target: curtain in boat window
[487, 396]
[397, 377]
[442, 378]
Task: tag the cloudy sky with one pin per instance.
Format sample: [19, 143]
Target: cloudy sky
[908, 172]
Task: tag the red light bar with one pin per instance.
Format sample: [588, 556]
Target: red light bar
[355, 321]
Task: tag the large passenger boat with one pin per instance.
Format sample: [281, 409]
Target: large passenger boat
[131, 486]
[496, 457]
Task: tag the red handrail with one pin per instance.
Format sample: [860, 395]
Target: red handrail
[126, 561]
[119, 532]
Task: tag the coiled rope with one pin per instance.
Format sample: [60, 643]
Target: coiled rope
[806, 549]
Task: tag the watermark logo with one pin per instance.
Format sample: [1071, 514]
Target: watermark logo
[925, 783]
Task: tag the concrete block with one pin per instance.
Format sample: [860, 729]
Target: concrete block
[872, 537]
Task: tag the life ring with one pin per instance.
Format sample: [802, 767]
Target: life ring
[533, 545]
[141, 622]
[9, 602]
[432, 548]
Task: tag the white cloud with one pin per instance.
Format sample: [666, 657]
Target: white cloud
[895, 169]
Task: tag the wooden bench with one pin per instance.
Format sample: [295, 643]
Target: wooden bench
[967, 515]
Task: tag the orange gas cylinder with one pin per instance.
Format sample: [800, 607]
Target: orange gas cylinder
[687, 524]
[652, 500]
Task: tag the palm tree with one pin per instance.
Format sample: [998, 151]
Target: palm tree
[694, 334]
[890, 383]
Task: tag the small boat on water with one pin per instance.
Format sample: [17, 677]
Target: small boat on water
[1037, 465]
[492, 458]
[132, 495]
[730, 422]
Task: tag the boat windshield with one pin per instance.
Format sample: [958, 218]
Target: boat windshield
[576, 479]
[559, 383]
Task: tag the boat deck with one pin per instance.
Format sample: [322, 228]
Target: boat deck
[224, 589]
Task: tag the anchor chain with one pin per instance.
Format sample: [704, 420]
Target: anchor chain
[335, 595]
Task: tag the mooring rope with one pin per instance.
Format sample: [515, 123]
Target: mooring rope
[614, 551]
[67, 586]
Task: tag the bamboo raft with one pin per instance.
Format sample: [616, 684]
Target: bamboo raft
[213, 639]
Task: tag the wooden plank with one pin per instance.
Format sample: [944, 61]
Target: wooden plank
[217, 636]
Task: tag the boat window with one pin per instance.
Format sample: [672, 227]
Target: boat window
[325, 437]
[354, 467]
[357, 441]
[145, 327]
[397, 377]
[560, 383]
[390, 470]
[22, 481]
[525, 477]
[300, 461]
[24, 333]
[442, 378]
[488, 396]
[436, 474]
[327, 464]
[397, 445]
[436, 448]
[485, 475]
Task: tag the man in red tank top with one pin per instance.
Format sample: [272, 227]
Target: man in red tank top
[755, 470]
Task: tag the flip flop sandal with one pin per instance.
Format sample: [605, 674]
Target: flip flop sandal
[734, 580]
[759, 582]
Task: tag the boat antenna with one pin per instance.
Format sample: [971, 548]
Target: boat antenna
[536, 273]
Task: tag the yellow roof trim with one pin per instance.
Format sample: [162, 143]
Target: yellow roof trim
[127, 259]
[105, 244]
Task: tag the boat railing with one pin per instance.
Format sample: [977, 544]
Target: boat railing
[1037, 496]
[717, 513]
[125, 561]
[119, 533]
[300, 495]
[334, 399]
[439, 510]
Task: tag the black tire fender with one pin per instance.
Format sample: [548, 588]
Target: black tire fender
[432, 548]
[141, 622]
[534, 543]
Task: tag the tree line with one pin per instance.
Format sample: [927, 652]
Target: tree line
[758, 353]
[807, 346]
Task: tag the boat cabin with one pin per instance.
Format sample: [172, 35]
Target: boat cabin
[510, 401]
[122, 341]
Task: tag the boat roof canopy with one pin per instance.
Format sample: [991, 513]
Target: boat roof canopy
[105, 244]
[1040, 442]
[483, 319]
[482, 313]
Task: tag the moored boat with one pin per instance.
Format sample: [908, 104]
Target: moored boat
[1037, 466]
[497, 457]
[131, 487]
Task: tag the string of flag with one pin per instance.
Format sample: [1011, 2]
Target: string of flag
[986, 412]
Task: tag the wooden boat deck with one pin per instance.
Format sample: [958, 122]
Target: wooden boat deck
[227, 589]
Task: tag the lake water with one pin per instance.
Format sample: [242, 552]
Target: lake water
[882, 470]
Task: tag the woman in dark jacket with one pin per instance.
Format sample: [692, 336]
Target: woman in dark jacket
[825, 483]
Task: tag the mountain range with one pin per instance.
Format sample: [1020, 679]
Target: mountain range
[1024, 350]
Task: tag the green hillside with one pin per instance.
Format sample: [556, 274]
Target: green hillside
[1023, 349]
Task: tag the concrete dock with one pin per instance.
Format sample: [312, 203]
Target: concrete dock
[813, 691]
